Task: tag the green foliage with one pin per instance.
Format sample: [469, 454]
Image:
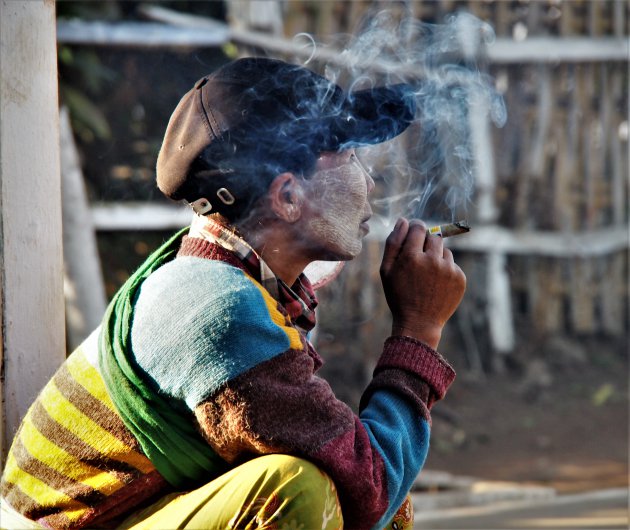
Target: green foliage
[87, 119]
[83, 78]
[89, 10]
[86, 66]
[603, 394]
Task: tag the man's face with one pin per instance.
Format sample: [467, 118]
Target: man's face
[338, 208]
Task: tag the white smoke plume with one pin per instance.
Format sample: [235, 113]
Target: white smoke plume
[431, 168]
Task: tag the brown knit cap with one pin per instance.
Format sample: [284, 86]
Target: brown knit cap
[255, 118]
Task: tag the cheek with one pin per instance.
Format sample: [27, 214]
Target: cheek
[343, 196]
[338, 231]
[348, 189]
[341, 199]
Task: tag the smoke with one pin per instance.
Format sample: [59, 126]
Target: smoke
[430, 171]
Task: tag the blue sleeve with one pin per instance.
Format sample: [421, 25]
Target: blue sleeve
[402, 438]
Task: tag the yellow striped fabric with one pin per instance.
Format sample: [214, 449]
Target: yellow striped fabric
[38, 489]
[72, 458]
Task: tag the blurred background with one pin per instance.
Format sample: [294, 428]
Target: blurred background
[540, 341]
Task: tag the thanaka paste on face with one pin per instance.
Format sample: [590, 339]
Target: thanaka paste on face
[339, 196]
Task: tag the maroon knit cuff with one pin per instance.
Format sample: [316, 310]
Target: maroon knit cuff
[411, 355]
[193, 246]
[197, 247]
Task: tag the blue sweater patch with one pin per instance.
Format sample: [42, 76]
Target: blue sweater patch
[402, 438]
[194, 305]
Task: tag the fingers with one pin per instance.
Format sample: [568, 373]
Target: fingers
[394, 243]
[434, 245]
[415, 237]
[411, 237]
[419, 242]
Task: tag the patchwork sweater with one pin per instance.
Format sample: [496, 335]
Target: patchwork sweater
[73, 462]
[227, 354]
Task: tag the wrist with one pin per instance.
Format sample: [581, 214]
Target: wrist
[429, 335]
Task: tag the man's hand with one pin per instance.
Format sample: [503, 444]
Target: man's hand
[423, 285]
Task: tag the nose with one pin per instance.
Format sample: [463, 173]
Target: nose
[370, 182]
[368, 178]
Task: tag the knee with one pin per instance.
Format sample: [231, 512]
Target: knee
[311, 477]
[292, 468]
[302, 475]
[310, 494]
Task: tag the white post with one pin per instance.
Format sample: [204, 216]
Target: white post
[500, 319]
[33, 338]
[83, 281]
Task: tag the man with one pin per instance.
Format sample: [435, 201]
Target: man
[196, 404]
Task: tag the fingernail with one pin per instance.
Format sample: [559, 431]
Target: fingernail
[398, 224]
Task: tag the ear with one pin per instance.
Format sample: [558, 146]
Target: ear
[286, 197]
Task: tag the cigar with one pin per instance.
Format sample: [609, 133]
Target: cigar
[448, 230]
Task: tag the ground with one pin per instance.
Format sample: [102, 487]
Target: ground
[568, 429]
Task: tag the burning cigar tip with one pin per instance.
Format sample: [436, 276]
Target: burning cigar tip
[463, 225]
[450, 229]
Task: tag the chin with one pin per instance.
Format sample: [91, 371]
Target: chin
[340, 249]
[347, 254]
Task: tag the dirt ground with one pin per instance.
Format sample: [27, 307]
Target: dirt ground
[565, 426]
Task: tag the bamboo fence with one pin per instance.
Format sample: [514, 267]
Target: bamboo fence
[548, 253]
[561, 171]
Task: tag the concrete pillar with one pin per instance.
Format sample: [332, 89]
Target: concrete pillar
[31, 302]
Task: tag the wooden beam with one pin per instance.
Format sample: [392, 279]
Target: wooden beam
[139, 34]
[503, 50]
[31, 252]
[83, 280]
[177, 29]
[556, 50]
[139, 216]
[599, 242]
[499, 307]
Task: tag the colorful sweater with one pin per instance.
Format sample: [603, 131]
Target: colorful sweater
[224, 351]
[73, 462]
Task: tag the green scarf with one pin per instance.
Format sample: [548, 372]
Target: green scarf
[168, 438]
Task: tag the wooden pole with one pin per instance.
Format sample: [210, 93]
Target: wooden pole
[500, 318]
[33, 340]
[83, 280]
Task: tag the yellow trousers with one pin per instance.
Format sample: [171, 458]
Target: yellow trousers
[268, 492]
[272, 491]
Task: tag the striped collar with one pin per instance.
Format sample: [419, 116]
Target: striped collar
[299, 300]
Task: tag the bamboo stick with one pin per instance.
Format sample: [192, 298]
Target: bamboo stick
[83, 280]
[619, 182]
[613, 293]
